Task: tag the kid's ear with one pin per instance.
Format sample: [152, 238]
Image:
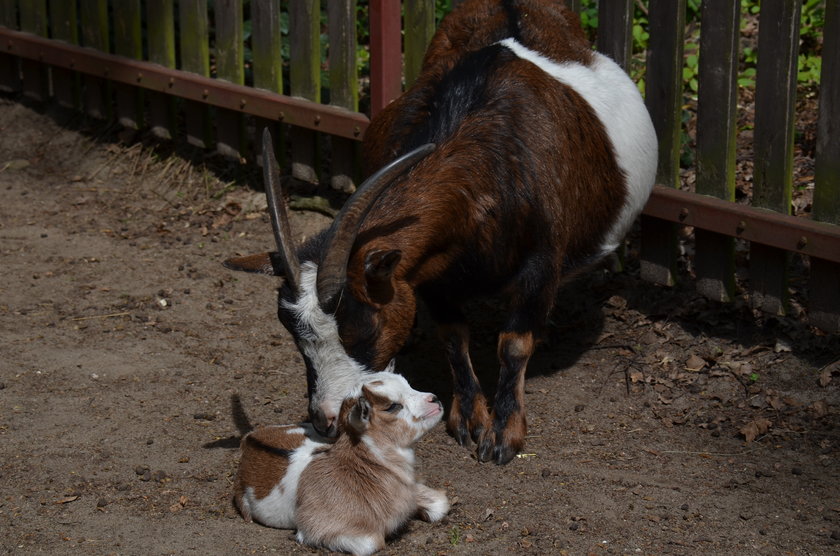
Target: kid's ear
[379, 269]
[359, 417]
[261, 263]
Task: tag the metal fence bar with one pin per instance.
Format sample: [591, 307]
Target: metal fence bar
[305, 81]
[824, 282]
[161, 44]
[128, 42]
[663, 98]
[717, 108]
[230, 66]
[760, 226]
[344, 88]
[186, 85]
[775, 94]
[385, 59]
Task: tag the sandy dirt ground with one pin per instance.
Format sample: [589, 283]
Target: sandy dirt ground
[131, 362]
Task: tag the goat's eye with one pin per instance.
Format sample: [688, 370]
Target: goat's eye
[394, 408]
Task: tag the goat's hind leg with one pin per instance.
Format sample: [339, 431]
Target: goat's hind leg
[535, 291]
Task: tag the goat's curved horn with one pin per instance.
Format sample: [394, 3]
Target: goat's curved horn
[279, 214]
[332, 272]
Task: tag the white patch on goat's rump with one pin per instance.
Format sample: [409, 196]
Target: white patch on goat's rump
[277, 509]
[620, 108]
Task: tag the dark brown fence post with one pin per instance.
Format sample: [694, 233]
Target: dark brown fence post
[716, 139]
[161, 39]
[195, 58]
[615, 25]
[663, 98]
[230, 66]
[266, 42]
[824, 283]
[36, 79]
[9, 65]
[344, 87]
[385, 54]
[128, 42]
[64, 26]
[97, 91]
[305, 81]
[775, 94]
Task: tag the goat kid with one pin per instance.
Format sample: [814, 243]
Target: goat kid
[544, 156]
[352, 494]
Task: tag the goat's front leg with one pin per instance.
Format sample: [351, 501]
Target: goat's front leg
[432, 504]
[506, 438]
[469, 416]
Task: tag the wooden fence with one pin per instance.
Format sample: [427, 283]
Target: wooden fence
[215, 72]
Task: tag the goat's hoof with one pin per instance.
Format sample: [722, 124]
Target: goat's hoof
[459, 432]
[486, 447]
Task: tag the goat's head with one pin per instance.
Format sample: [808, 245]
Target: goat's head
[389, 412]
[343, 331]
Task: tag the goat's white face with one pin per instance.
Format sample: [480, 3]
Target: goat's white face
[393, 413]
[332, 374]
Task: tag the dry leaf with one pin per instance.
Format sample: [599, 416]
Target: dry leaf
[825, 377]
[755, 428]
[67, 500]
[695, 363]
[636, 376]
[820, 408]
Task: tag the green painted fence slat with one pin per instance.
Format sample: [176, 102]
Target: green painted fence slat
[663, 98]
[36, 80]
[266, 45]
[128, 42]
[9, 65]
[97, 91]
[195, 58]
[230, 66]
[304, 81]
[344, 87]
[418, 28]
[775, 94]
[716, 139]
[824, 283]
[64, 26]
[160, 16]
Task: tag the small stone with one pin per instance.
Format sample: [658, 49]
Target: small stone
[684, 507]
[546, 472]
[573, 526]
[796, 471]
[579, 407]
[101, 503]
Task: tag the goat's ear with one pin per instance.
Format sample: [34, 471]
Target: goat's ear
[359, 417]
[261, 263]
[379, 269]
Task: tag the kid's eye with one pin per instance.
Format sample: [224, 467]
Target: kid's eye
[394, 408]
